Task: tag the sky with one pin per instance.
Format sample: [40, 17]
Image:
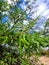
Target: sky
[40, 7]
[4, 19]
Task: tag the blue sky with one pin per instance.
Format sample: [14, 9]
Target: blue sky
[4, 19]
[40, 7]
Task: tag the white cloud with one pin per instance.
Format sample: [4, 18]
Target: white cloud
[25, 22]
[23, 6]
[34, 15]
[41, 27]
[38, 10]
[9, 1]
[41, 9]
[5, 12]
[46, 13]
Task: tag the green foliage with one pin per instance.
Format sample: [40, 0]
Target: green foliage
[15, 41]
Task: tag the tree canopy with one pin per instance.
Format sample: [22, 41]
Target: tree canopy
[16, 42]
